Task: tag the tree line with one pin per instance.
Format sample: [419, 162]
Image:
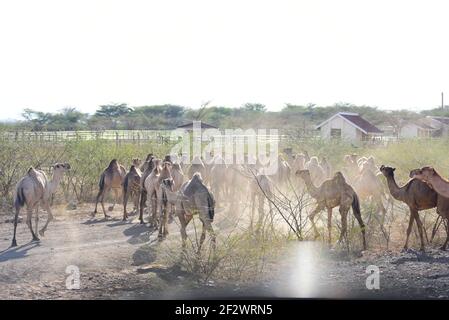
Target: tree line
[120, 116]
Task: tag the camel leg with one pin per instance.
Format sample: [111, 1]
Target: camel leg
[136, 202]
[207, 226]
[105, 192]
[29, 224]
[409, 230]
[358, 216]
[36, 219]
[125, 202]
[100, 194]
[329, 225]
[16, 218]
[344, 224]
[154, 208]
[203, 236]
[143, 200]
[163, 220]
[447, 236]
[420, 229]
[317, 210]
[50, 218]
[212, 234]
[184, 222]
[116, 197]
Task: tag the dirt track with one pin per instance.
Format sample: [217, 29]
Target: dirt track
[117, 260]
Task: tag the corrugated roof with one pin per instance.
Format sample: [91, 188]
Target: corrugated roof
[361, 123]
[444, 120]
[356, 120]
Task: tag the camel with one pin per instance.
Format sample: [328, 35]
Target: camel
[147, 162]
[316, 172]
[435, 180]
[333, 193]
[197, 166]
[152, 186]
[219, 176]
[111, 179]
[368, 186]
[350, 167]
[261, 187]
[34, 189]
[327, 168]
[196, 198]
[131, 186]
[282, 175]
[149, 166]
[298, 162]
[418, 196]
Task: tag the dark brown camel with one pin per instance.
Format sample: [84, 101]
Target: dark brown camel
[333, 193]
[418, 196]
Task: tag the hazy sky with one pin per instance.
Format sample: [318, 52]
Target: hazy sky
[55, 53]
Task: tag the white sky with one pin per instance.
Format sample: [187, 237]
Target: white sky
[55, 53]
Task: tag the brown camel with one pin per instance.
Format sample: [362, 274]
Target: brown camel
[35, 189]
[261, 187]
[111, 179]
[131, 187]
[431, 176]
[333, 193]
[418, 196]
[196, 198]
[152, 186]
[368, 186]
[148, 168]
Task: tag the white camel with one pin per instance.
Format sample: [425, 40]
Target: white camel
[35, 189]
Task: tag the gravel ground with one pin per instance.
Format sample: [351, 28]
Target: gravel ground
[117, 260]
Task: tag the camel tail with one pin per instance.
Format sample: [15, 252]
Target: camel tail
[210, 206]
[20, 198]
[358, 216]
[101, 183]
[125, 183]
[356, 206]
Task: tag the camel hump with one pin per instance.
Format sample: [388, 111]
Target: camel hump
[176, 166]
[32, 172]
[197, 176]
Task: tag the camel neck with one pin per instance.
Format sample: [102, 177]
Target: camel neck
[311, 187]
[440, 185]
[395, 190]
[54, 183]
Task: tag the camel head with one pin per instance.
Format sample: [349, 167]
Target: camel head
[303, 173]
[423, 174]
[63, 167]
[168, 184]
[136, 162]
[167, 165]
[387, 171]
[149, 157]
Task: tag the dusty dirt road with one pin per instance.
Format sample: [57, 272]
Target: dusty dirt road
[117, 260]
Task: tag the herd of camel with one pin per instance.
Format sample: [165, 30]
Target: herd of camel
[170, 187]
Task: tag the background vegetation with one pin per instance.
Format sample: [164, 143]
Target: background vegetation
[250, 115]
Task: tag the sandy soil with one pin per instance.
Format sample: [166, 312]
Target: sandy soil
[118, 260]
